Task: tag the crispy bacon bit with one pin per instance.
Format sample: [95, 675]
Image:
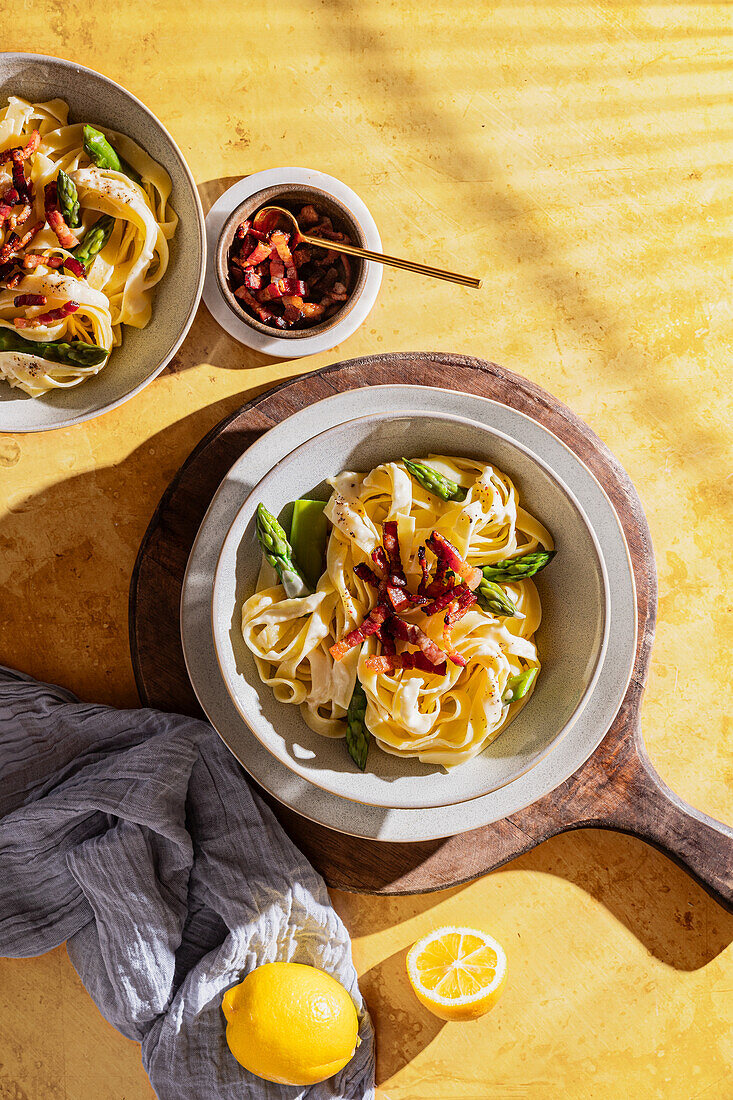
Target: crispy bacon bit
[246, 295]
[12, 282]
[308, 216]
[29, 300]
[372, 625]
[26, 239]
[47, 318]
[391, 543]
[413, 634]
[10, 247]
[381, 560]
[258, 254]
[35, 259]
[55, 219]
[281, 242]
[253, 280]
[11, 197]
[390, 662]
[24, 151]
[76, 267]
[446, 551]
[22, 216]
[20, 183]
[366, 574]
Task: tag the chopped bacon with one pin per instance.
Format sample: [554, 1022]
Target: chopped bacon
[76, 267]
[22, 216]
[280, 241]
[308, 216]
[10, 246]
[24, 151]
[20, 183]
[312, 309]
[391, 543]
[245, 295]
[260, 253]
[282, 288]
[413, 634]
[35, 259]
[11, 197]
[26, 239]
[423, 562]
[55, 218]
[12, 282]
[29, 300]
[443, 600]
[47, 318]
[253, 280]
[381, 560]
[446, 551]
[300, 285]
[366, 574]
[390, 662]
[372, 625]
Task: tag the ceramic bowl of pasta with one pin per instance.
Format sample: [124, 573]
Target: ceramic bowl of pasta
[410, 611]
[97, 290]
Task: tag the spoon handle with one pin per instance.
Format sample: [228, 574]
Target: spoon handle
[393, 261]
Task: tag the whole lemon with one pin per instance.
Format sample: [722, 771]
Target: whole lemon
[291, 1023]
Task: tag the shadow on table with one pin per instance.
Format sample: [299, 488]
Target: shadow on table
[659, 903]
[403, 1026]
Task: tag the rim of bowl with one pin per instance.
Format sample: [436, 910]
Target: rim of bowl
[599, 656]
[249, 206]
[79, 69]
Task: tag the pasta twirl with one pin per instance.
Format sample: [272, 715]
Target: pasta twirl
[442, 714]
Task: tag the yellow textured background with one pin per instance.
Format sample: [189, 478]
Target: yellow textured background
[578, 156]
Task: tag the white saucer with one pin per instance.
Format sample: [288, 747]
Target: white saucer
[357, 818]
[240, 330]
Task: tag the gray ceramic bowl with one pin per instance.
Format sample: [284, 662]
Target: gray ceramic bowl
[144, 352]
[291, 196]
[571, 639]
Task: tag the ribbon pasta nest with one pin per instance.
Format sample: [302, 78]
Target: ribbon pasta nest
[85, 222]
[420, 628]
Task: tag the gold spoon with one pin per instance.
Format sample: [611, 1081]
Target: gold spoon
[284, 216]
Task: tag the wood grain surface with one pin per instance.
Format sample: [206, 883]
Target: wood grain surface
[616, 788]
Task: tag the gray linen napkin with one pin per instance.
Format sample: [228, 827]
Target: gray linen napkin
[135, 836]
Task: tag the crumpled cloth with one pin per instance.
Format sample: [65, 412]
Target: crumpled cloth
[135, 836]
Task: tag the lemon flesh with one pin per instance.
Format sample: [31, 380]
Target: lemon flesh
[291, 1023]
[458, 973]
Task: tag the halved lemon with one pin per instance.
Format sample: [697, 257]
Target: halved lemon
[458, 973]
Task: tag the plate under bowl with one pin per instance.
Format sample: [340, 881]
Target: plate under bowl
[144, 352]
[571, 640]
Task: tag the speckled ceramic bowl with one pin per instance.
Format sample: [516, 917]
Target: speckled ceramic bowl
[571, 639]
[292, 197]
[144, 352]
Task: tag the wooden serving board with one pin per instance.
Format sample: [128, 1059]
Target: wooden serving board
[615, 789]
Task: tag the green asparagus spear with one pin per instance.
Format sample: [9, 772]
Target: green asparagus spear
[68, 200]
[101, 152]
[494, 599]
[517, 569]
[279, 553]
[77, 352]
[95, 239]
[518, 686]
[435, 482]
[357, 734]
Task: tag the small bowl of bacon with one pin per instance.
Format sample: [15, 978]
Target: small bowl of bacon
[280, 286]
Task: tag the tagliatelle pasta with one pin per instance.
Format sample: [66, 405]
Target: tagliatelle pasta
[442, 713]
[73, 302]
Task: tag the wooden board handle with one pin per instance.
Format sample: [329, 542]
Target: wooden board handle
[649, 810]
